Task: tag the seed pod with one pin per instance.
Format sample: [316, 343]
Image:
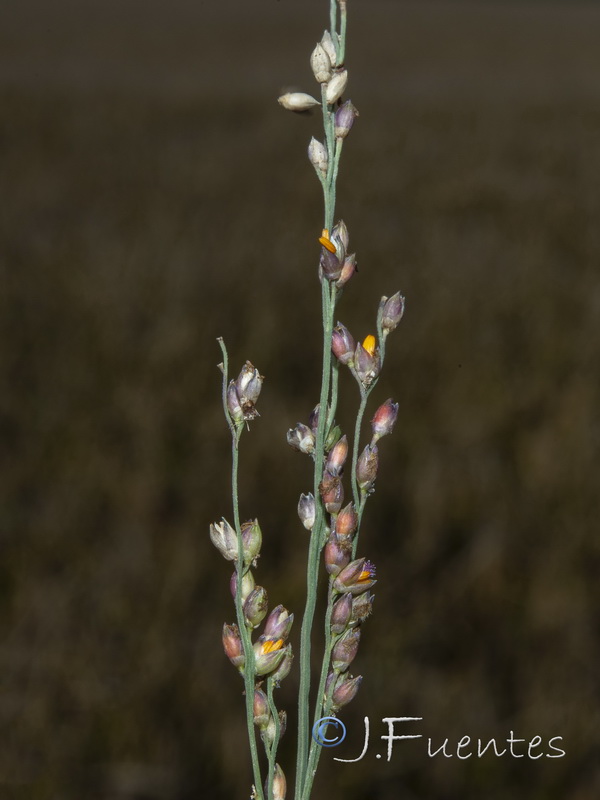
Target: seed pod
[317, 154]
[320, 64]
[336, 87]
[297, 101]
[301, 438]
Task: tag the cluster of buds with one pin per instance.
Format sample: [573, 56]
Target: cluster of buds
[303, 437]
[242, 395]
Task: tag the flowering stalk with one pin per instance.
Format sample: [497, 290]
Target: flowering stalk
[334, 527]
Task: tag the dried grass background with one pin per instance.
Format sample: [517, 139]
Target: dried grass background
[154, 197]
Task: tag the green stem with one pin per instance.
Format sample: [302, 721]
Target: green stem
[249, 669]
[364, 396]
[275, 745]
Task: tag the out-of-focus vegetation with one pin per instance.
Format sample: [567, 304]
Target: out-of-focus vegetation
[143, 214]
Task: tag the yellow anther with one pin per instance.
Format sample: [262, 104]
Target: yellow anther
[326, 241]
[370, 344]
[270, 645]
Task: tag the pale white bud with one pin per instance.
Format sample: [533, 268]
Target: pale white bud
[329, 47]
[336, 86]
[320, 64]
[297, 101]
[317, 154]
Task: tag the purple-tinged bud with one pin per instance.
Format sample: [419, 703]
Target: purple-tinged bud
[317, 155]
[366, 467]
[337, 554]
[384, 420]
[345, 650]
[356, 578]
[340, 237]
[333, 437]
[268, 654]
[331, 683]
[320, 63]
[283, 670]
[261, 709]
[345, 691]
[362, 606]
[336, 87]
[343, 344]
[332, 492]
[330, 265]
[251, 540]
[348, 269]
[256, 606]
[301, 438]
[279, 623]
[307, 510]
[313, 420]
[279, 784]
[233, 404]
[232, 644]
[366, 361]
[347, 521]
[344, 119]
[337, 457]
[297, 101]
[269, 733]
[329, 47]
[341, 612]
[248, 386]
[248, 584]
[224, 538]
[392, 310]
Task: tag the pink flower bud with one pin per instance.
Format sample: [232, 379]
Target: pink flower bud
[332, 492]
[384, 420]
[343, 344]
[345, 691]
[232, 644]
[345, 649]
[261, 709]
[337, 457]
[313, 420]
[279, 623]
[234, 406]
[337, 554]
[347, 521]
[356, 578]
[391, 310]
[348, 269]
[330, 265]
[344, 119]
[341, 612]
[366, 467]
[255, 606]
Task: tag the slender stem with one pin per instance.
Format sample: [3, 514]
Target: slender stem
[249, 670]
[364, 396]
[275, 744]
[344, 20]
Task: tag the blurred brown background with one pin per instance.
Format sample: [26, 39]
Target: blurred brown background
[154, 197]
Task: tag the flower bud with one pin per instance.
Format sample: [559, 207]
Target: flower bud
[233, 404]
[279, 623]
[279, 784]
[343, 344]
[307, 510]
[340, 237]
[347, 521]
[344, 119]
[392, 310]
[261, 709]
[317, 154]
[301, 438]
[345, 649]
[345, 691]
[341, 612]
[224, 538]
[232, 644]
[336, 87]
[248, 386]
[337, 457]
[356, 578]
[251, 540]
[330, 265]
[337, 554]
[384, 420]
[362, 605]
[297, 101]
[268, 654]
[348, 269]
[332, 492]
[366, 361]
[283, 670]
[248, 584]
[320, 64]
[329, 47]
[366, 467]
[255, 606]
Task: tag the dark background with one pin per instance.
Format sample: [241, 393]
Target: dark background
[154, 197]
